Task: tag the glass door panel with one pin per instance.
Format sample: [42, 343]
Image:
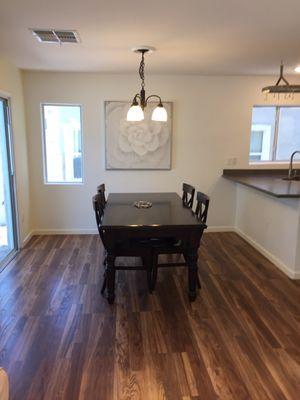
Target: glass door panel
[7, 209]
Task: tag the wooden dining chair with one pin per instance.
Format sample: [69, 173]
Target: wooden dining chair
[178, 247]
[129, 248]
[202, 207]
[101, 191]
[188, 193]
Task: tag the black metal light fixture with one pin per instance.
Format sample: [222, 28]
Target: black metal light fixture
[139, 102]
[284, 88]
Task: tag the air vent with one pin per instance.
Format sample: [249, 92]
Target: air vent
[67, 36]
[55, 36]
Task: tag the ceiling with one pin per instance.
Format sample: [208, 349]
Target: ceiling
[225, 37]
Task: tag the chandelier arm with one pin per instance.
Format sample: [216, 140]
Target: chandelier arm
[137, 96]
[154, 95]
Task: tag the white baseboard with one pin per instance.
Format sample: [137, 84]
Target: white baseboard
[276, 261]
[220, 229]
[64, 232]
[26, 239]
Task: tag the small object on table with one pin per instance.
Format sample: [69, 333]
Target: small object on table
[142, 204]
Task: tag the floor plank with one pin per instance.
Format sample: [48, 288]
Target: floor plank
[59, 339]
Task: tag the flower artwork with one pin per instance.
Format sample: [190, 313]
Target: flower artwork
[136, 145]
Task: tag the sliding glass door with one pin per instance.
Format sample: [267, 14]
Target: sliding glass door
[8, 236]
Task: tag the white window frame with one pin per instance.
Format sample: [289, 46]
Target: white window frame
[44, 152]
[266, 139]
[275, 140]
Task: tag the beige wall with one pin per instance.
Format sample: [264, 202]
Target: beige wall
[212, 117]
[11, 85]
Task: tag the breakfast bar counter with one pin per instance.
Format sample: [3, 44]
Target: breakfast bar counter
[269, 181]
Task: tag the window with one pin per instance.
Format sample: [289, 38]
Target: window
[275, 133]
[62, 143]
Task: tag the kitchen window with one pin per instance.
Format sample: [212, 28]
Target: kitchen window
[275, 133]
[62, 142]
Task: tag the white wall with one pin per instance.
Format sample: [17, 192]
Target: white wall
[11, 85]
[212, 119]
[271, 225]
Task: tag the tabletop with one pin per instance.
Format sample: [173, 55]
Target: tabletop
[166, 211]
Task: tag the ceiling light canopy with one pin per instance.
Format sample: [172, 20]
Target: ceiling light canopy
[140, 101]
[284, 87]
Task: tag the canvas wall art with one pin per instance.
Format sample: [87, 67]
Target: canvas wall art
[136, 145]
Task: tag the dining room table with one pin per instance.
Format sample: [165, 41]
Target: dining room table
[167, 217]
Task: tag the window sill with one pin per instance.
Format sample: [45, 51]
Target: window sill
[64, 183]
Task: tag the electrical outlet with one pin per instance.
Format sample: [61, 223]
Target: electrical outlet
[231, 161]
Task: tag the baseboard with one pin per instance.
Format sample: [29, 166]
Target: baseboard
[64, 232]
[276, 261]
[220, 229]
[26, 239]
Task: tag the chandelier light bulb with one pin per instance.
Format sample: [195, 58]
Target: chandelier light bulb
[159, 114]
[135, 113]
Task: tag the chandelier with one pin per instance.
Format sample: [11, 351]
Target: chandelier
[140, 101]
[285, 87]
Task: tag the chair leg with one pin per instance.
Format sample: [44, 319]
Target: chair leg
[154, 271]
[110, 276]
[192, 258]
[104, 275]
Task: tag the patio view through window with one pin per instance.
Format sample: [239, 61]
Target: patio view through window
[275, 133]
[62, 143]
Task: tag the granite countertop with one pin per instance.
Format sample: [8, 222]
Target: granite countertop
[265, 180]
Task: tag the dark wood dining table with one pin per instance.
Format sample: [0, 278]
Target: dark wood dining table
[167, 217]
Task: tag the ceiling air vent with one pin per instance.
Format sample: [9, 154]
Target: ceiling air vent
[67, 36]
[55, 36]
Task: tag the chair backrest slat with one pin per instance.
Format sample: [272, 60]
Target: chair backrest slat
[99, 210]
[188, 193]
[101, 191]
[202, 207]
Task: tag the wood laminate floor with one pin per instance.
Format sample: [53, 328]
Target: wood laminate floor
[59, 339]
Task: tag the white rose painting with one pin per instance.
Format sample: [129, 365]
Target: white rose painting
[137, 145]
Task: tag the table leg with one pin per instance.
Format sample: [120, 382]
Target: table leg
[192, 258]
[147, 263]
[110, 276]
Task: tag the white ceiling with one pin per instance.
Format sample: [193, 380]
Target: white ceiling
[191, 36]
